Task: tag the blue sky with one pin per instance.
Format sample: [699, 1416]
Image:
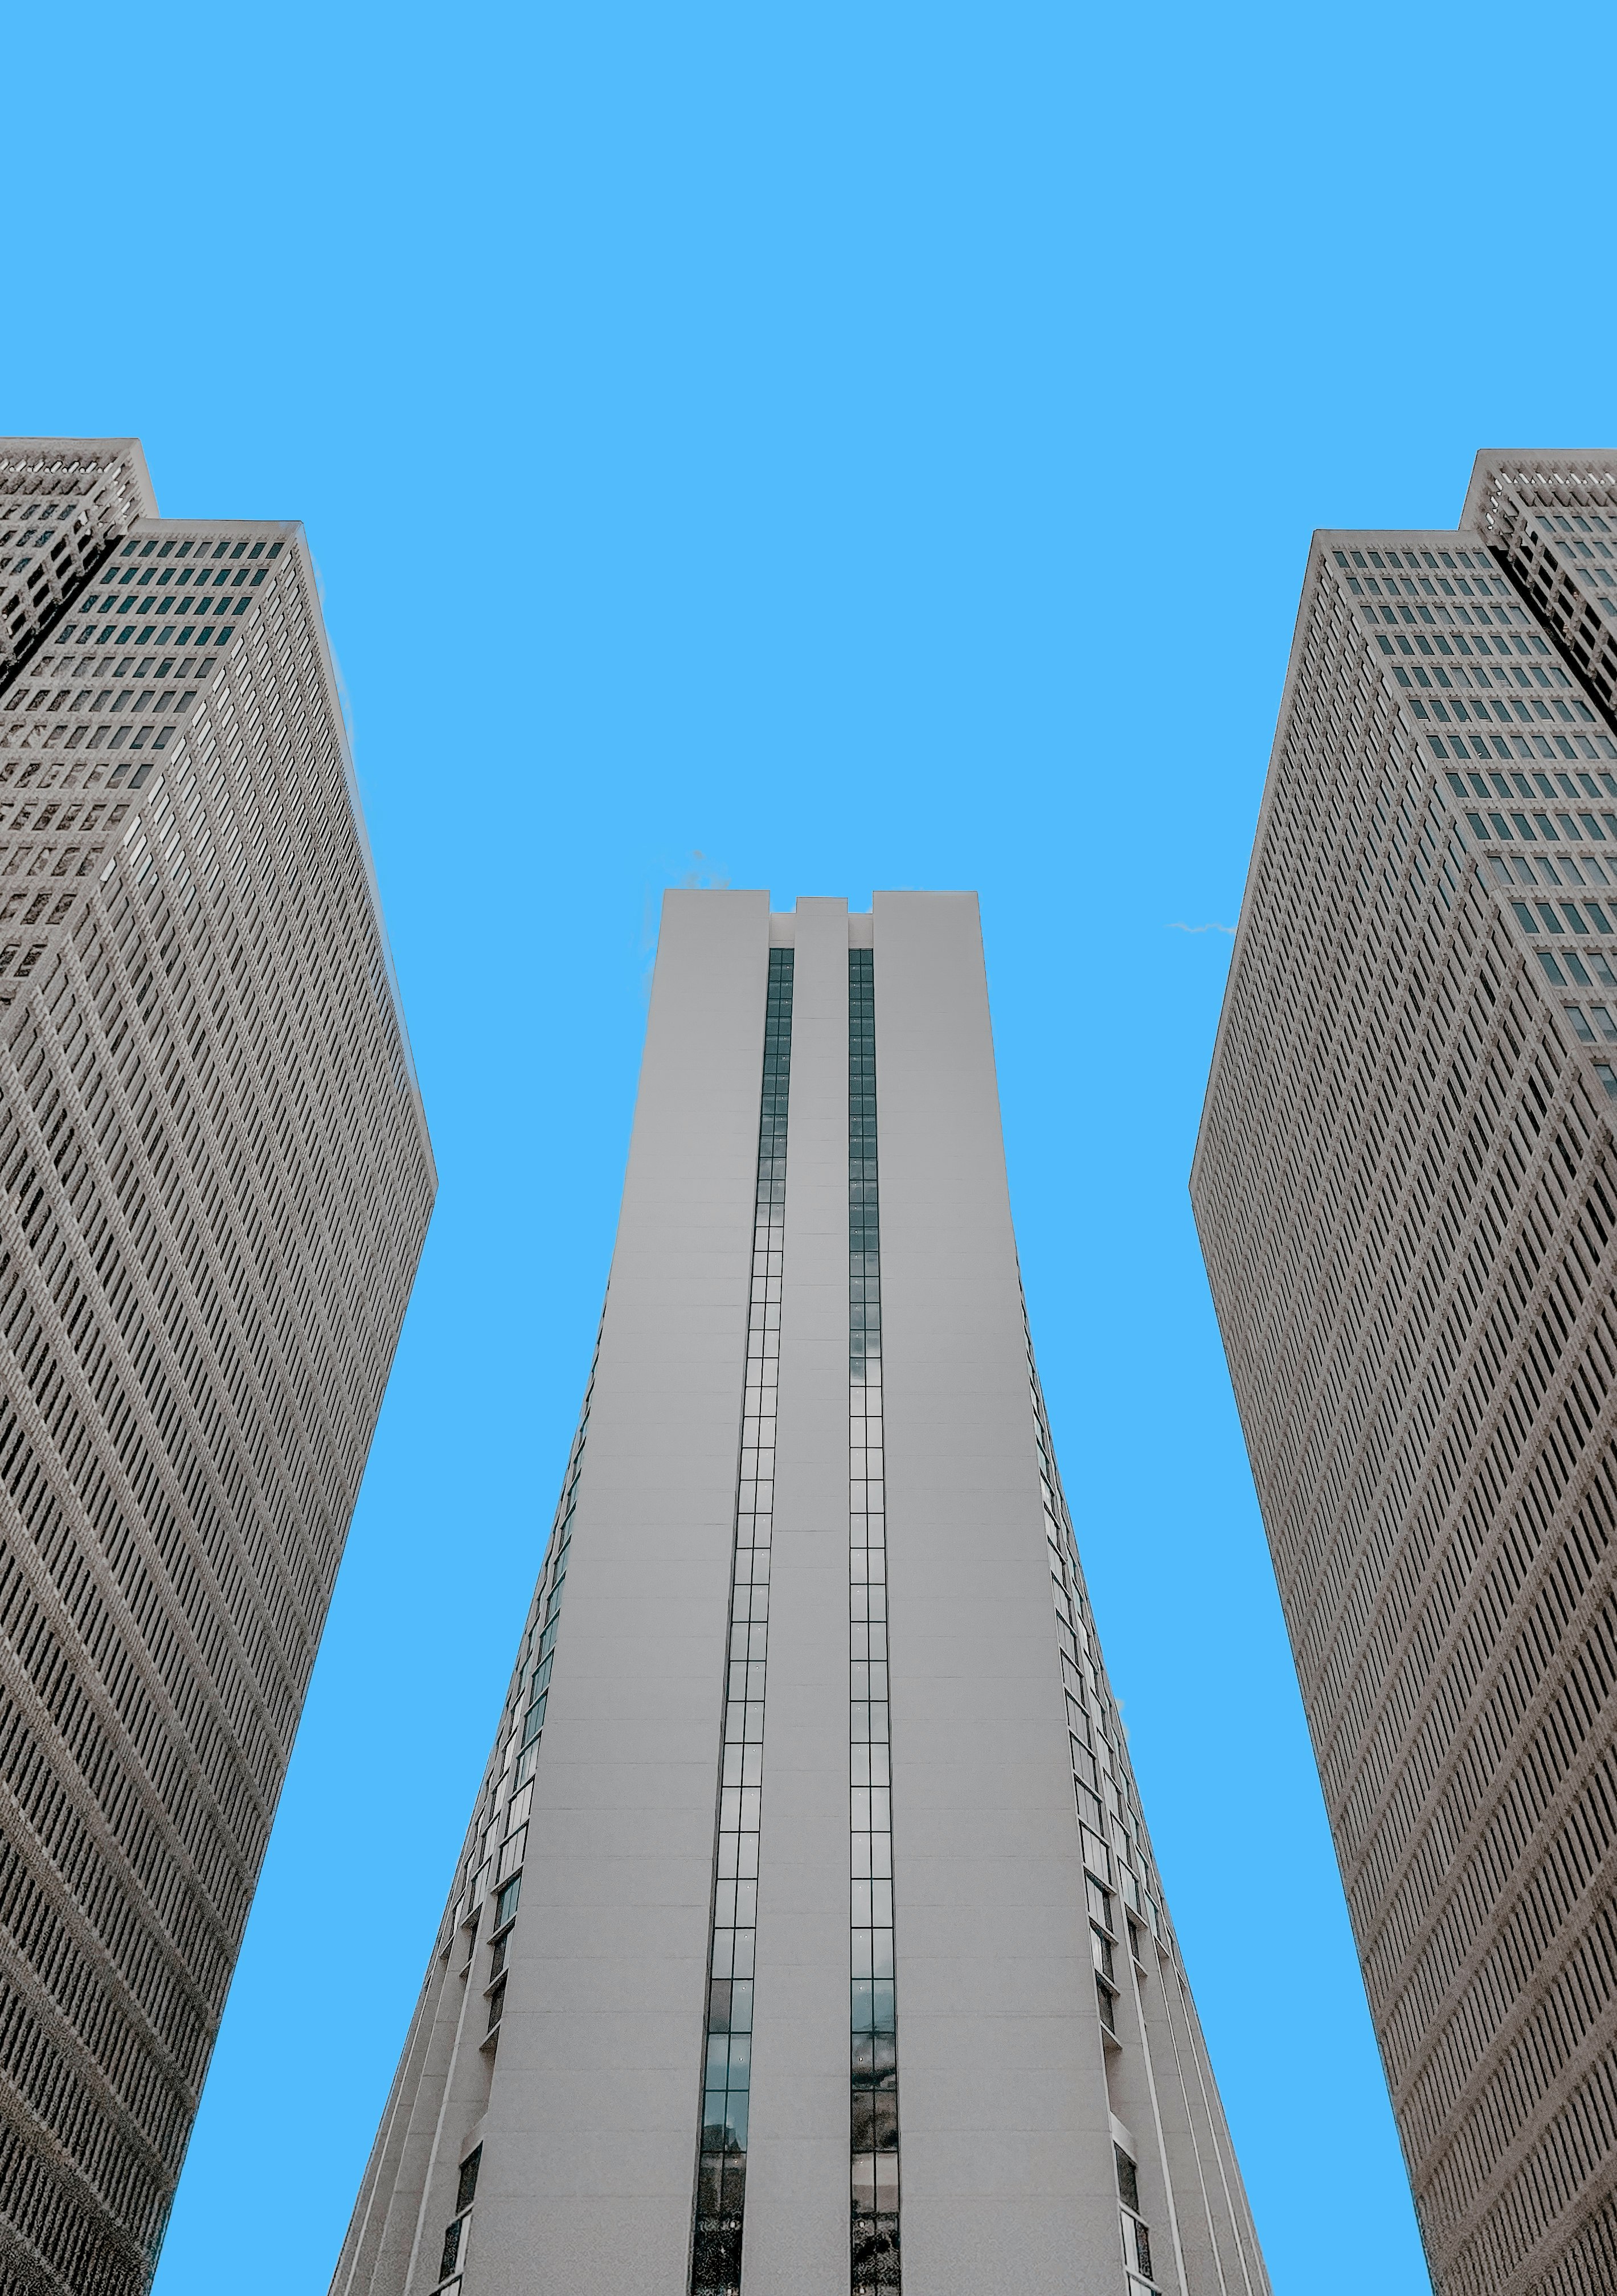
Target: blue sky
[821, 447]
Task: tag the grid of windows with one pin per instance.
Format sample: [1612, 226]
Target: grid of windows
[214, 1188]
[104, 709]
[182, 591]
[63, 506]
[874, 2112]
[721, 2168]
[1459, 669]
[1407, 1189]
[1553, 526]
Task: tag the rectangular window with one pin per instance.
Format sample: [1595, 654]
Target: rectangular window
[451, 2252]
[1128, 2179]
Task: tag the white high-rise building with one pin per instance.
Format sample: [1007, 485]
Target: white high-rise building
[806, 1938]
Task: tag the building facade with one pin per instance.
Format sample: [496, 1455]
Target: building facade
[807, 1939]
[215, 1181]
[1406, 1187]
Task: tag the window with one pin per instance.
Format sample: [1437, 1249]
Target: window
[466, 2191]
[1581, 1026]
[726, 2078]
[873, 2101]
[505, 1904]
[1128, 2179]
[1136, 2235]
[451, 2254]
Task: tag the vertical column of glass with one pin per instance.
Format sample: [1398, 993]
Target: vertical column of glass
[874, 2101]
[722, 2164]
[1111, 1850]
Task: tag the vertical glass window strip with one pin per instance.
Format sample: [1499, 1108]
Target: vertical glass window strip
[539, 1650]
[721, 2172]
[498, 1840]
[874, 2059]
[1111, 1825]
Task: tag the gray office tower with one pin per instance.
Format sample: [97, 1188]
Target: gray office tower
[807, 1939]
[1407, 1190]
[214, 1184]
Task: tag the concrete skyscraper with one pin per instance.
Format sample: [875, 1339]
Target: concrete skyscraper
[807, 1939]
[1405, 1186]
[215, 1180]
